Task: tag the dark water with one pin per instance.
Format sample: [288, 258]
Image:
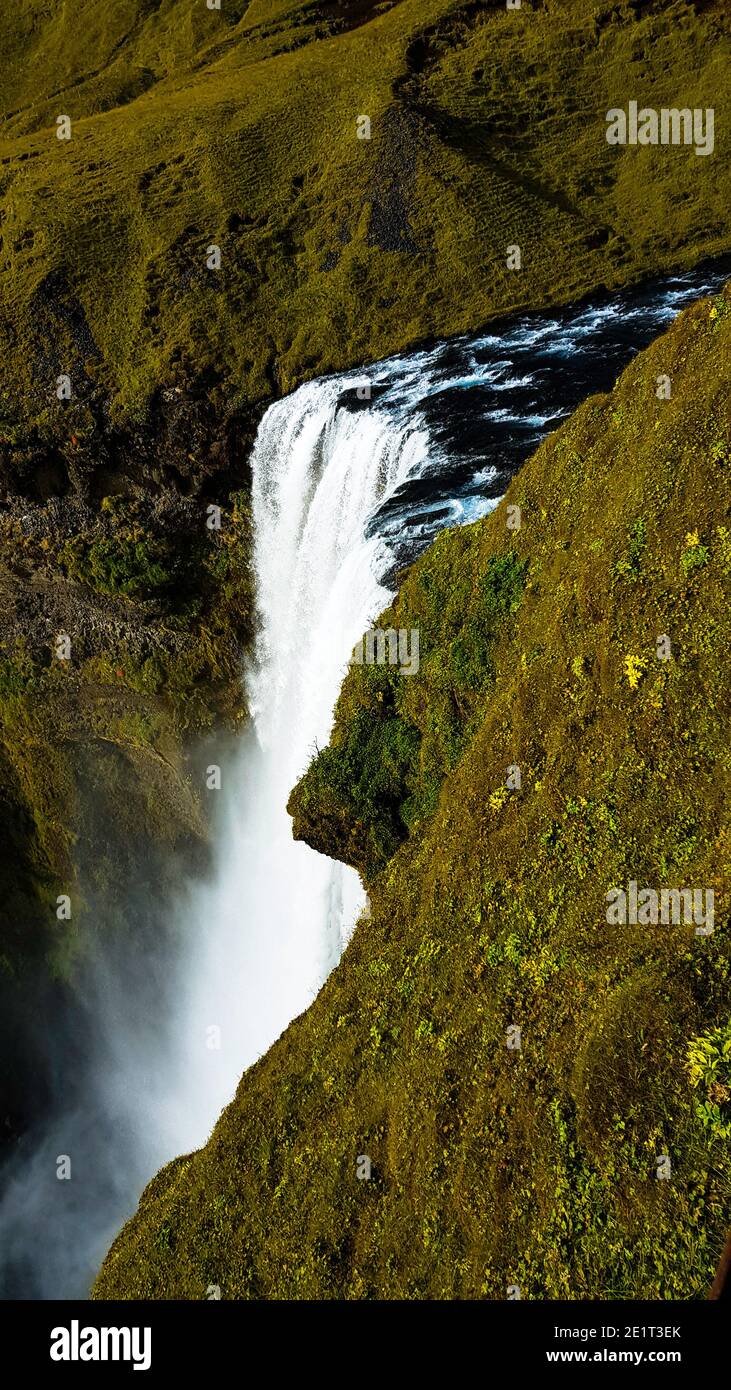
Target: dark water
[487, 401]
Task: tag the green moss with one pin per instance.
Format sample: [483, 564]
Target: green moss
[189, 573]
[694, 556]
[630, 566]
[384, 775]
[118, 565]
[709, 1068]
[238, 128]
[545, 1166]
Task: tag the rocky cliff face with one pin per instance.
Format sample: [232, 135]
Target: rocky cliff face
[504, 1082]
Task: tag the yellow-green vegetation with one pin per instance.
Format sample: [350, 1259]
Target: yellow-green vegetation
[709, 1069]
[494, 1166]
[237, 128]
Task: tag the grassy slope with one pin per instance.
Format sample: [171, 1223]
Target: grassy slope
[238, 127]
[488, 909]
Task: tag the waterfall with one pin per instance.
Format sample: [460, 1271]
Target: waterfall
[174, 1027]
[272, 924]
[350, 479]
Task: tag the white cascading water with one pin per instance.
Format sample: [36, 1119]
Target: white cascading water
[282, 912]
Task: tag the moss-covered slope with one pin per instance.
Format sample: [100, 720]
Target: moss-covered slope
[544, 1167]
[103, 754]
[237, 127]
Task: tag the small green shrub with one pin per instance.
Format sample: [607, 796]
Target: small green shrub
[135, 567]
[630, 565]
[709, 1072]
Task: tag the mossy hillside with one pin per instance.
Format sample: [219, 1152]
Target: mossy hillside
[156, 611]
[102, 757]
[238, 128]
[492, 1166]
